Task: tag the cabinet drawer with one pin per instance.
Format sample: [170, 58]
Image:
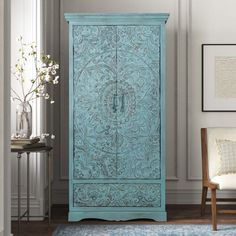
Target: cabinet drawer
[116, 195]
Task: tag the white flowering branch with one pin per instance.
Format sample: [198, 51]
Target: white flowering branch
[17, 96]
[46, 70]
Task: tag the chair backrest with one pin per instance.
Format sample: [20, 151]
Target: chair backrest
[212, 134]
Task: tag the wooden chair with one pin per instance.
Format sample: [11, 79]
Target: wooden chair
[209, 178]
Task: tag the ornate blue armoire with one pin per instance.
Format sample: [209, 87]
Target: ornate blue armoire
[117, 116]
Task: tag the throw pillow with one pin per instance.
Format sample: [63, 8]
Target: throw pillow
[227, 153]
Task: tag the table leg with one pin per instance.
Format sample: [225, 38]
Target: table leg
[28, 187]
[19, 190]
[49, 188]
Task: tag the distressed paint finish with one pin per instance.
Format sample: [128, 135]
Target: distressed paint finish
[117, 91]
[117, 166]
[94, 85]
[139, 111]
[117, 195]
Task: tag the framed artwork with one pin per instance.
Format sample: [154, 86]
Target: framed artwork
[218, 77]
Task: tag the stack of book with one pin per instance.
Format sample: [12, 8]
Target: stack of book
[21, 143]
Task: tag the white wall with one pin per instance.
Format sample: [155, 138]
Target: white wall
[216, 27]
[1, 117]
[5, 179]
[191, 23]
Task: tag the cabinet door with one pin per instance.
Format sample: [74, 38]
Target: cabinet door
[138, 110]
[94, 113]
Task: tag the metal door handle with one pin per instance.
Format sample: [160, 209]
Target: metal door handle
[114, 103]
[122, 109]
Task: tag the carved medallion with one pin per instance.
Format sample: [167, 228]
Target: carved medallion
[116, 102]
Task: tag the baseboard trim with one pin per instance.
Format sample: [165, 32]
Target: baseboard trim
[60, 196]
[192, 196]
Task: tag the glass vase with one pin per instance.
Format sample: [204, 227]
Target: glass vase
[24, 120]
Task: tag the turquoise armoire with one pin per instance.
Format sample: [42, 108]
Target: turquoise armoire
[117, 116]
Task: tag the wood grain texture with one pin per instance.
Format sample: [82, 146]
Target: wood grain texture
[206, 183]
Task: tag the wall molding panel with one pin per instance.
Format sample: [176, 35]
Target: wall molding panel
[181, 87]
[189, 74]
[64, 101]
[37, 179]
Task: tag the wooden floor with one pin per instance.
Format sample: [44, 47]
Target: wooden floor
[177, 214]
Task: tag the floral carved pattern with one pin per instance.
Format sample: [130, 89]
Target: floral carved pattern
[116, 102]
[117, 195]
[138, 65]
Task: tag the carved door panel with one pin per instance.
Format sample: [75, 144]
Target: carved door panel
[94, 115]
[138, 94]
[116, 115]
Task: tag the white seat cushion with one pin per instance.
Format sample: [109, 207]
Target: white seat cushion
[225, 182]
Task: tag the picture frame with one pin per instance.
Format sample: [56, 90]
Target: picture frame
[218, 77]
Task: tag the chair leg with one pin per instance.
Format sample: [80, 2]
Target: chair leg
[204, 196]
[213, 209]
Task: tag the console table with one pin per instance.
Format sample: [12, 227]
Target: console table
[47, 150]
